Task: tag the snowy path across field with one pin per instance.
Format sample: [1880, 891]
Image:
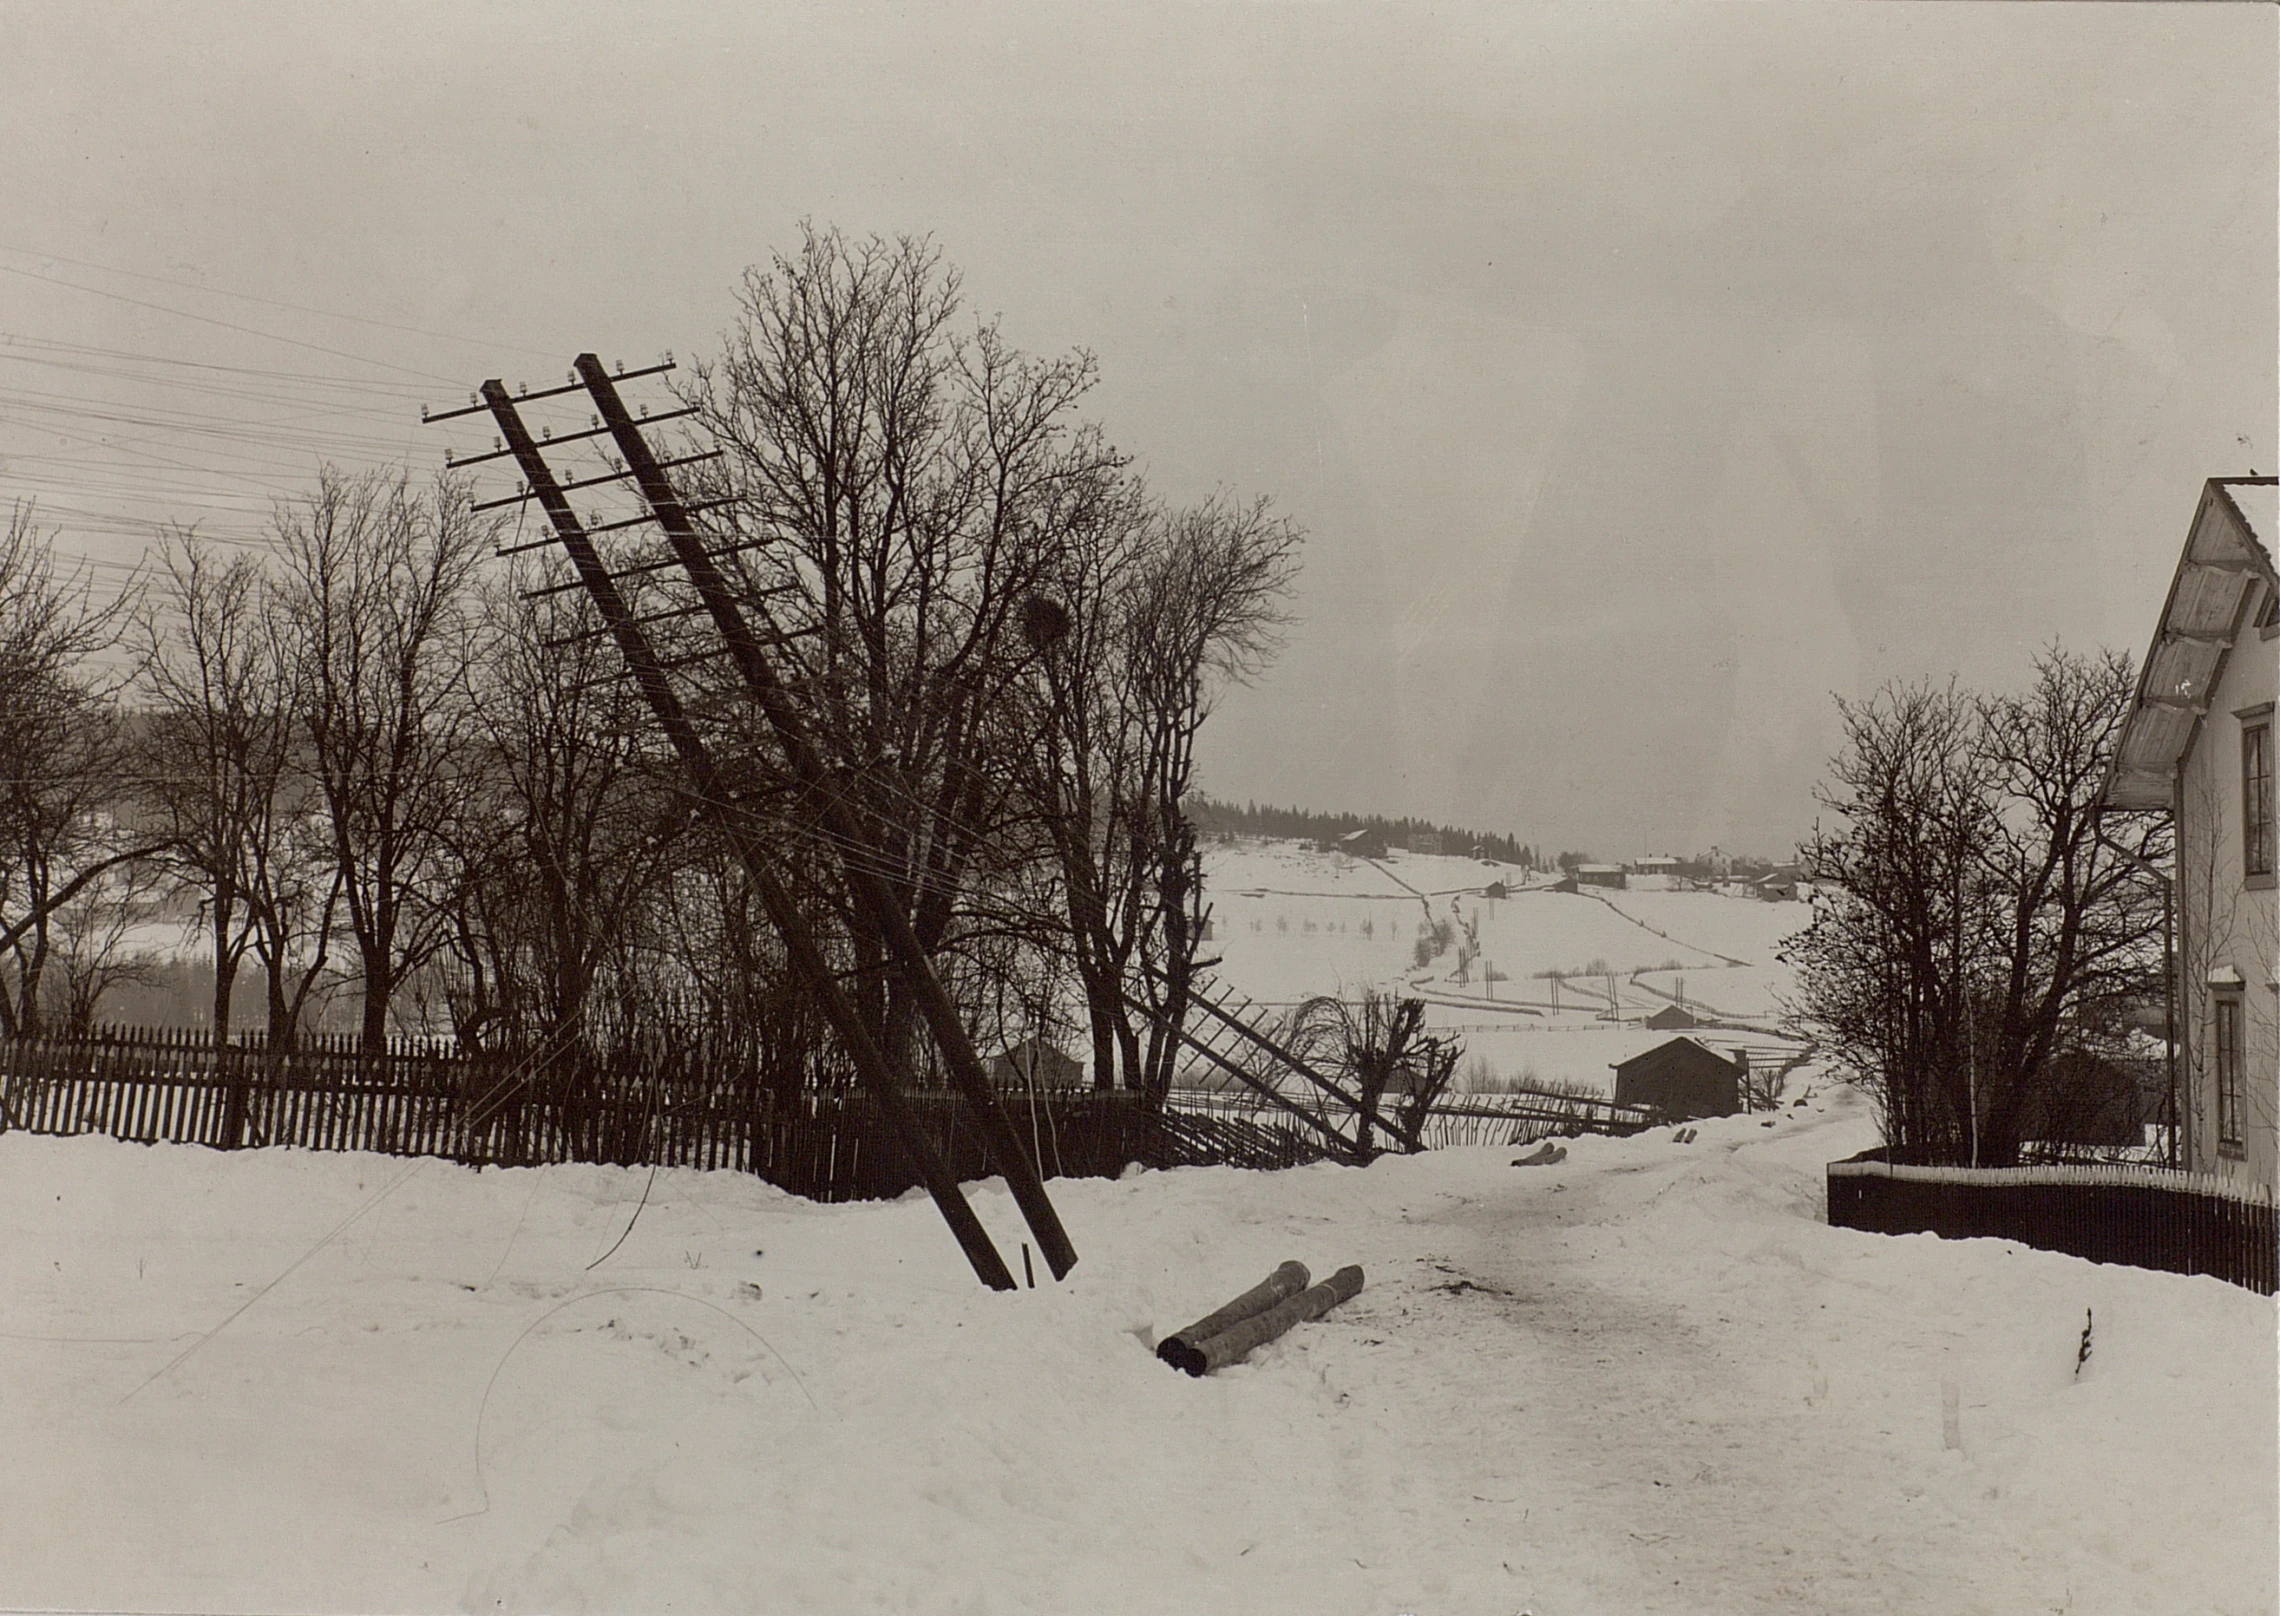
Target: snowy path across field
[1646, 1379]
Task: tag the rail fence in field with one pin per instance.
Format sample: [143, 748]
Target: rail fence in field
[2147, 1217]
[676, 1109]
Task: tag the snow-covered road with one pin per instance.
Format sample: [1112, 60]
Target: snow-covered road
[1646, 1379]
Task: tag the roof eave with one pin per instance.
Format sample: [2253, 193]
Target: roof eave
[2137, 789]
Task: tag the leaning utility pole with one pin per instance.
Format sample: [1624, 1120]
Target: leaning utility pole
[866, 887]
[712, 794]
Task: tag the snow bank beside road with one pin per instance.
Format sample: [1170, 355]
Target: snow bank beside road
[1648, 1379]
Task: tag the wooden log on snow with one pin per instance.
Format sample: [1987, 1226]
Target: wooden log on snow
[1233, 1344]
[1181, 1349]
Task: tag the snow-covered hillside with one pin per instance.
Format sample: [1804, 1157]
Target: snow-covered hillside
[1649, 1379]
[1289, 922]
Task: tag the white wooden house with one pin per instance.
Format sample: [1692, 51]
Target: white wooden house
[2199, 743]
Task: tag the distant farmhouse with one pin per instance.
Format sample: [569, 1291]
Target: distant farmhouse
[1366, 843]
[1599, 875]
[2198, 743]
[1672, 1018]
[1655, 873]
[1683, 1079]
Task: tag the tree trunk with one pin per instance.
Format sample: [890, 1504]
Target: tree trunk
[374, 1040]
[225, 968]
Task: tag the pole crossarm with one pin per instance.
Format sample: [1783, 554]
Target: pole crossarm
[607, 477]
[477, 404]
[451, 464]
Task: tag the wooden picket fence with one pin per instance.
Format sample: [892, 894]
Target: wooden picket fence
[2146, 1217]
[678, 1107]
[510, 1109]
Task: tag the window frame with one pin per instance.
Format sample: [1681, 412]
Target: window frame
[2256, 840]
[2225, 1057]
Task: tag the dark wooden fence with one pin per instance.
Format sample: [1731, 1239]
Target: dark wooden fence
[513, 1109]
[2147, 1217]
[675, 1108]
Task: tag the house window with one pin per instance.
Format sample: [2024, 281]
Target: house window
[2256, 799]
[2228, 1071]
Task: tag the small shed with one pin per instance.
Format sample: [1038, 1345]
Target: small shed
[1496, 889]
[1673, 1018]
[1035, 1059]
[1682, 1079]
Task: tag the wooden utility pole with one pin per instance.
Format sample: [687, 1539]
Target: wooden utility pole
[713, 795]
[866, 887]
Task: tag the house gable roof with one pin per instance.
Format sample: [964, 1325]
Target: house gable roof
[2228, 550]
[1682, 1053]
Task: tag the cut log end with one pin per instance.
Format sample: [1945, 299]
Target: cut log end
[1181, 1354]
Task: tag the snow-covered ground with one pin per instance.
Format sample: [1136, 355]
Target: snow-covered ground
[1288, 923]
[1647, 1379]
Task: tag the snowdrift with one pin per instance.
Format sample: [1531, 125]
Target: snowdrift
[1647, 1378]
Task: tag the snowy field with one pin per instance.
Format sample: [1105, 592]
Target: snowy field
[1288, 923]
[1649, 1379]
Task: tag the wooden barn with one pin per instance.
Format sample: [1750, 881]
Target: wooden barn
[1366, 843]
[1682, 1079]
[1672, 1018]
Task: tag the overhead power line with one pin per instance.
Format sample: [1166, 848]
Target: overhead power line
[271, 302]
[226, 325]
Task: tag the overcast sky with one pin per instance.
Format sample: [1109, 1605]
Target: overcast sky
[1642, 374]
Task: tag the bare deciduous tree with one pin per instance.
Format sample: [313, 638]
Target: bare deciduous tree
[222, 700]
[1144, 622]
[1210, 613]
[1970, 922]
[570, 835]
[94, 948]
[60, 738]
[1378, 1047]
[908, 484]
[374, 602]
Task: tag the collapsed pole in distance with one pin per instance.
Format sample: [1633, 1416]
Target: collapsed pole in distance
[865, 886]
[712, 795]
